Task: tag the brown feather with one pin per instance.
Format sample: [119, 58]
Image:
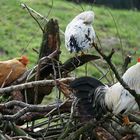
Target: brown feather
[10, 70]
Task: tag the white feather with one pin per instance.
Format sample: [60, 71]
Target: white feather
[118, 99]
[87, 17]
[80, 28]
[132, 77]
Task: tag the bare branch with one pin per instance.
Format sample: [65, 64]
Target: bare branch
[22, 138]
[38, 14]
[28, 108]
[75, 62]
[9, 74]
[33, 17]
[104, 74]
[119, 36]
[126, 62]
[33, 84]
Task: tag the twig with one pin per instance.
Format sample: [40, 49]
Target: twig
[37, 76]
[22, 78]
[22, 138]
[25, 91]
[27, 76]
[30, 108]
[9, 74]
[47, 128]
[35, 83]
[126, 62]
[51, 137]
[43, 61]
[121, 44]
[133, 118]
[33, 11]
[38, 115]
[55, 108]
[100, 44]
[33, 17]
[50, 9]
[84, 129]
[101, 71]
[14, 103]
[53, 119]
[3, 136]
[105, 75]
[38, 14]
[108, 60]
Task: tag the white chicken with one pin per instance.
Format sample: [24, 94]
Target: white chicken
[79, 33]
[98, 99]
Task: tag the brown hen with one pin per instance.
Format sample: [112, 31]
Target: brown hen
[11, 70]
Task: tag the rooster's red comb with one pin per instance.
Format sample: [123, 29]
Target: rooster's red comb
[24, 60]
[138, 60]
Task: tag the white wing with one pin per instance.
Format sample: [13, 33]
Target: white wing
[120, 100]
[132, 77]
[79, 36]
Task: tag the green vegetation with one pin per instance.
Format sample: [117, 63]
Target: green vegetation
[19, 33]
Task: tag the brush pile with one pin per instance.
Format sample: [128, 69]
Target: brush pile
[23, 117]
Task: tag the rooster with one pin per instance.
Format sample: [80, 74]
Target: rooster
[79, 33]
[11, 70]
[97, 99]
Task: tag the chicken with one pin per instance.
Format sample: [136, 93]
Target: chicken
[98, 99]
[11, 70]
[79, 33]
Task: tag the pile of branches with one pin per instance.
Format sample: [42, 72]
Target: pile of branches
[24, 117]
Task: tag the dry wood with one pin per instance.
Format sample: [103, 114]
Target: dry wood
[22, 138]
[49, 109]
[55, 119]
[103, 134]
[77, 61]
[33, 84]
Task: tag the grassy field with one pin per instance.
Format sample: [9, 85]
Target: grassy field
[19, 33]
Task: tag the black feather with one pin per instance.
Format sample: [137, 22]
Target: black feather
[90, 94]
[74, 45]
[84, 85]
[84, 107]
[98, 102]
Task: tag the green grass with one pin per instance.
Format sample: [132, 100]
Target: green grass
[19, 33]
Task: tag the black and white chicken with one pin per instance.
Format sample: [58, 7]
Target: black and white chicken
[96, 99]
[79, 33]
